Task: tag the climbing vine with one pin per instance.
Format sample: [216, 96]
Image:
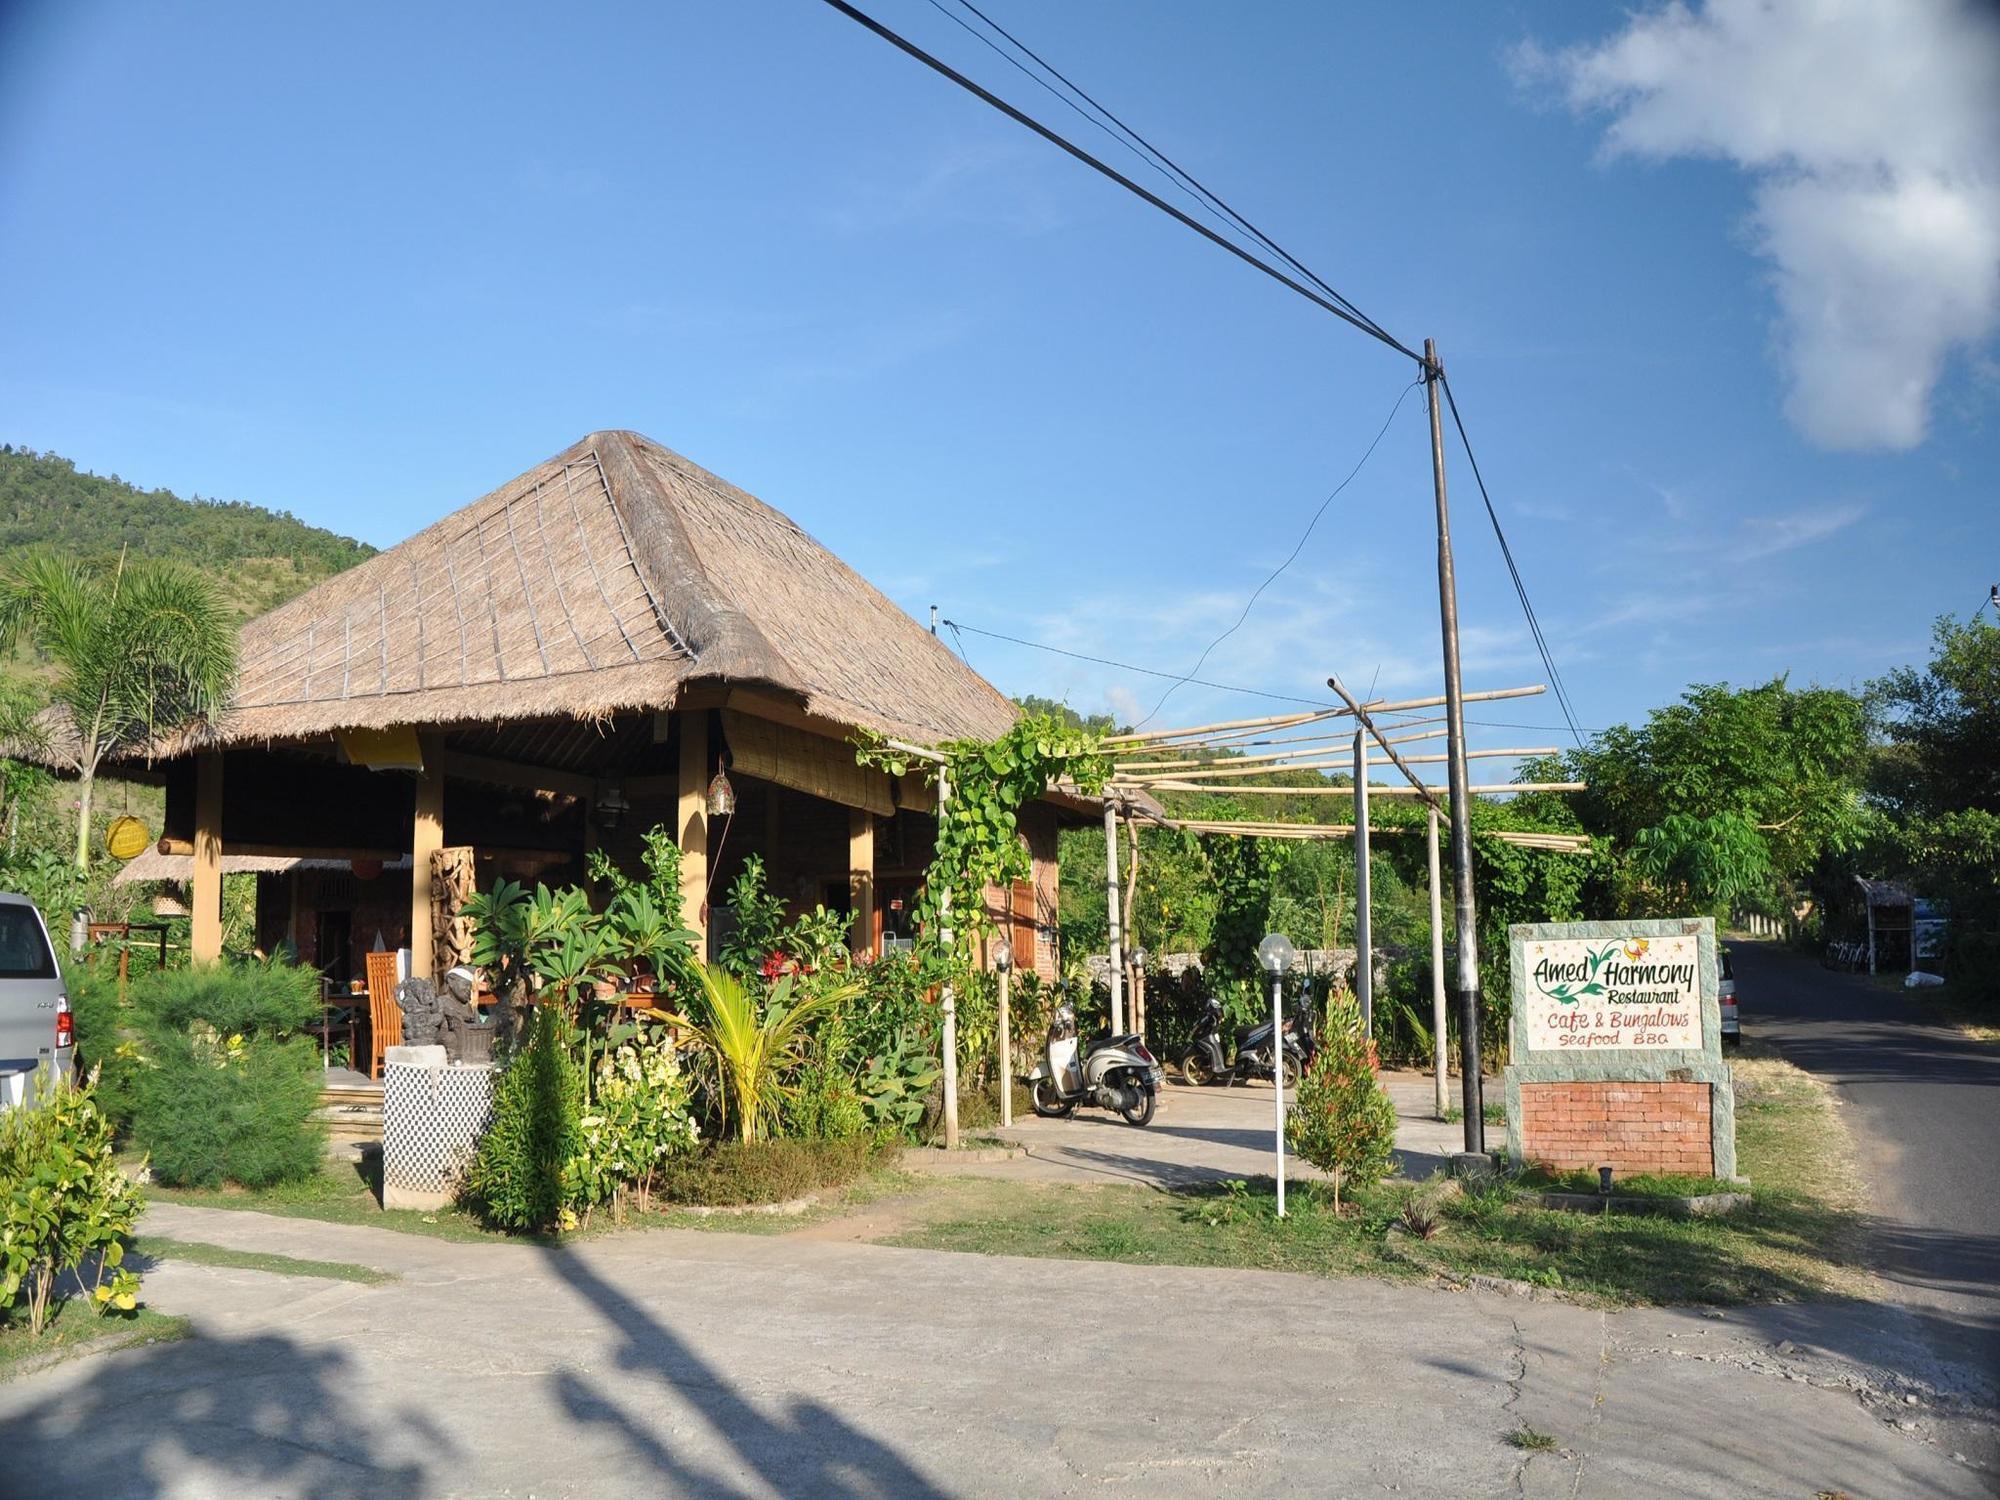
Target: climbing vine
[979, 843]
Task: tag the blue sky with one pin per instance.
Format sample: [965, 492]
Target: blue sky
[365, 263]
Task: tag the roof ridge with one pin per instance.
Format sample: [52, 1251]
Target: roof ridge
[721, 636]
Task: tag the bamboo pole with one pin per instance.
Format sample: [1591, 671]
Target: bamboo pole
[1177, 785]
[1275, 721]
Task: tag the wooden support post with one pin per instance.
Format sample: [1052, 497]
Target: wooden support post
[861, 882]
[426, 838]
[206, 923]
[1117, 937]
[691, 825]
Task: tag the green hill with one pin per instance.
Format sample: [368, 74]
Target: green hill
[259, 557]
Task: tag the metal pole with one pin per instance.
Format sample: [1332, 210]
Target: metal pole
[1006, 1054]
[1117, 939]
[1467, 919]
[1438, 1027]
[1278, 1076]
[1364, 917]
[950, 1005]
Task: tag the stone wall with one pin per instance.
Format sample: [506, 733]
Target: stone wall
[1632, 1127]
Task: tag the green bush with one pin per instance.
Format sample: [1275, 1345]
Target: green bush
[735, 1173]
[224, 1089]
[104, 1042]
[62, 1201]
[527, 1174]
[1343, 1122]
[824, 1104]
[636, 1121]
[251, 1000]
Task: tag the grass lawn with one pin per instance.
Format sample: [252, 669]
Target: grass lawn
[77, 1328]
[193, 1252]
[340, 1193]
[1799, 1239]
[345, 1193]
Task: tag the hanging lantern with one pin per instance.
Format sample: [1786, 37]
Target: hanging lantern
[366, 869]
[611, 807]
[721, 795]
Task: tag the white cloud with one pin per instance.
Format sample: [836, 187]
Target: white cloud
[1872, 130]
[1766, 535]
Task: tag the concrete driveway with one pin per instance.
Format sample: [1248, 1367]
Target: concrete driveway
[709, 1364]
[1206, 1134]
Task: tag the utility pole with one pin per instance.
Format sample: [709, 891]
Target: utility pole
[1438, 1028]
[1117, 942]
[1364, 914]
[1467, 919]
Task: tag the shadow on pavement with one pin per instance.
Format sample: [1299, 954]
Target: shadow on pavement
[807, 1451]
[218, 1415]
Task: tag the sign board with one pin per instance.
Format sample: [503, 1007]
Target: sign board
[1622, 993]
[1616, 1048]
[126, 838]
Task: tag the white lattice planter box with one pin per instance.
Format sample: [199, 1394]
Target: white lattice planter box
[433, 1114]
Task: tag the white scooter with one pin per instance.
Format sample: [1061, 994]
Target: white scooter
[1116, 1072]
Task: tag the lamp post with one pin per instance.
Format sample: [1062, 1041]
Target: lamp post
[1003, 963]
[1277, 955]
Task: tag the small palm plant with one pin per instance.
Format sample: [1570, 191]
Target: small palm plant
[754, 1036]
[141, 651]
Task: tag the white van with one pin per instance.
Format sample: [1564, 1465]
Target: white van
[37, 1031]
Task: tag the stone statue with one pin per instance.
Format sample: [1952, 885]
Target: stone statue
[433, 1016]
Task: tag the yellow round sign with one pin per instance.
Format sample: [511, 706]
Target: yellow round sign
[126, 838]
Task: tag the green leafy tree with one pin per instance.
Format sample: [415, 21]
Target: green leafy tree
[1342, 1121]
[1786, 763]
[140, 651]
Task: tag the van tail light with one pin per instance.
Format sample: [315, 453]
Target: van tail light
[65, 1023]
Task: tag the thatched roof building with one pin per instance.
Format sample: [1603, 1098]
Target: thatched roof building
[556, 667]
[613, 577]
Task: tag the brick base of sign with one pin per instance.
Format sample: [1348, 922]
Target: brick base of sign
[1632, 1127]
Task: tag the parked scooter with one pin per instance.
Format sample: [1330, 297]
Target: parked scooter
[1115, 1072]
[1206, 1061]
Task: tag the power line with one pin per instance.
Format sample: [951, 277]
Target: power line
[1126, 666]
[1507, 552]
[1220, 687]
[1162, 160]
[1297, 548]
[1020, 117]
[1332, 301]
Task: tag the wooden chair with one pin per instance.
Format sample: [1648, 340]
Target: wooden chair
[385, 1016]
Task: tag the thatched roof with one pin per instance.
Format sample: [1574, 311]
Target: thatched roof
[151, 867]
[610, 578]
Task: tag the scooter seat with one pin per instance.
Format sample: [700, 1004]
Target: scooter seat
[1098, 1043]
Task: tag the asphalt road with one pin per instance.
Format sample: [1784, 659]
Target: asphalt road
[1923, 1102]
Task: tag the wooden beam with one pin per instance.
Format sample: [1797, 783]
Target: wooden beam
[507, 773]
[426, 838]
[206, 934]
[861, 881]
[691, 825]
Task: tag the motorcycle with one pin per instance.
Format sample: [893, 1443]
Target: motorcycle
[1205, 1060]
[1115, 1072]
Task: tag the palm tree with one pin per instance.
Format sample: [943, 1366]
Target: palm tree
[754, 1040]
[140, 651]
